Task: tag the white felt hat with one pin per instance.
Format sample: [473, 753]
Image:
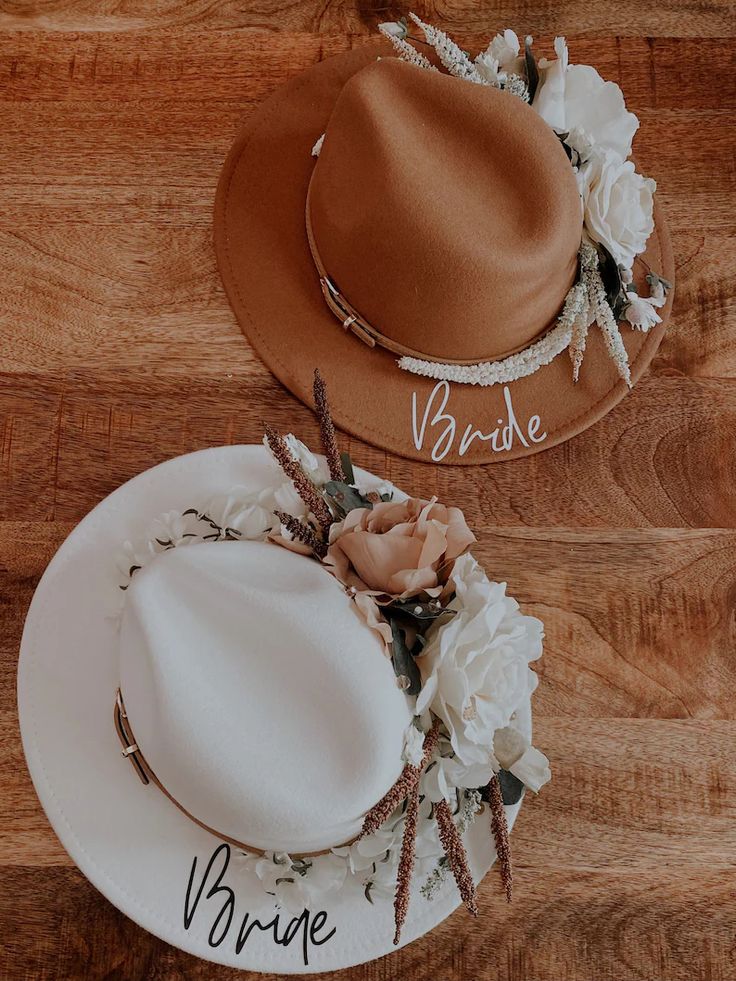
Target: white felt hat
[260, 699]
[237, 694]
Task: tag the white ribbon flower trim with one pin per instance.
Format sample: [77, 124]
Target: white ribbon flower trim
[300, 883]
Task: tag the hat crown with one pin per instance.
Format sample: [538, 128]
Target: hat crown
[447, 213]
[261, 701]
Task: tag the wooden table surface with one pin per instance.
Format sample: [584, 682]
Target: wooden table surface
[118, 350]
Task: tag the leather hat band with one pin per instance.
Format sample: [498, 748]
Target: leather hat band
[132, 752]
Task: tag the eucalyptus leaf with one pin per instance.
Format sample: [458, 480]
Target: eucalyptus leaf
[403, 661]
[565, 146]
[532, 72]
[654, 278]
[347, 467]
[512, 789]
[611, 276]
[344, 497]
[424, 613]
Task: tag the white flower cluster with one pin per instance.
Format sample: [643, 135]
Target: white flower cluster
[475, 673]
[238, 514]
[589, 115]
[475, 676]
[371, 862]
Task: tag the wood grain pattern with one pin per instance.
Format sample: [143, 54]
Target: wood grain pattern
[118, 350]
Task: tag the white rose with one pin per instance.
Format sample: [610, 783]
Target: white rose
[617, 205]
[576, 97]
[475, 669]
[549, 100]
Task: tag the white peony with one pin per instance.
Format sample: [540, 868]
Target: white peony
[575, 97]
[618, 205]
[514, 753]
[475, 669]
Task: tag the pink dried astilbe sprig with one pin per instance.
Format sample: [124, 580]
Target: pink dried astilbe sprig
[304, 486]
[406, 862]
[302, 532]
[405, 784]
[327, 428]
[500, 830]
[457, 858]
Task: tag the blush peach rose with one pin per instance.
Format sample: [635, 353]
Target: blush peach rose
[398, 549]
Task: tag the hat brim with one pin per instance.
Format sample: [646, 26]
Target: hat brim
[128, 839]
[273, 288]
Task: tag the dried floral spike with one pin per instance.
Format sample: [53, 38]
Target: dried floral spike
[500, 830]
[302, 532]
[405, 50]
[304, 486]
[599, 307]
[327, 428]
[457, 857]
[406, 863]
[407, 781]
[452, 57]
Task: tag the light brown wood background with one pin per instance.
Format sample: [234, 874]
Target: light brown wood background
[118, 349]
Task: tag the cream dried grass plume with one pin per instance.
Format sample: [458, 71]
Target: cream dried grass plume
[452, 57]
[406, 51]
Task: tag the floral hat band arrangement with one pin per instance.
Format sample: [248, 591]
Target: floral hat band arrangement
[476, 222]
[459, 647]
[595, 130]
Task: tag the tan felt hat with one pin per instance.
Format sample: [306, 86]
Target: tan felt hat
[439, 227]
